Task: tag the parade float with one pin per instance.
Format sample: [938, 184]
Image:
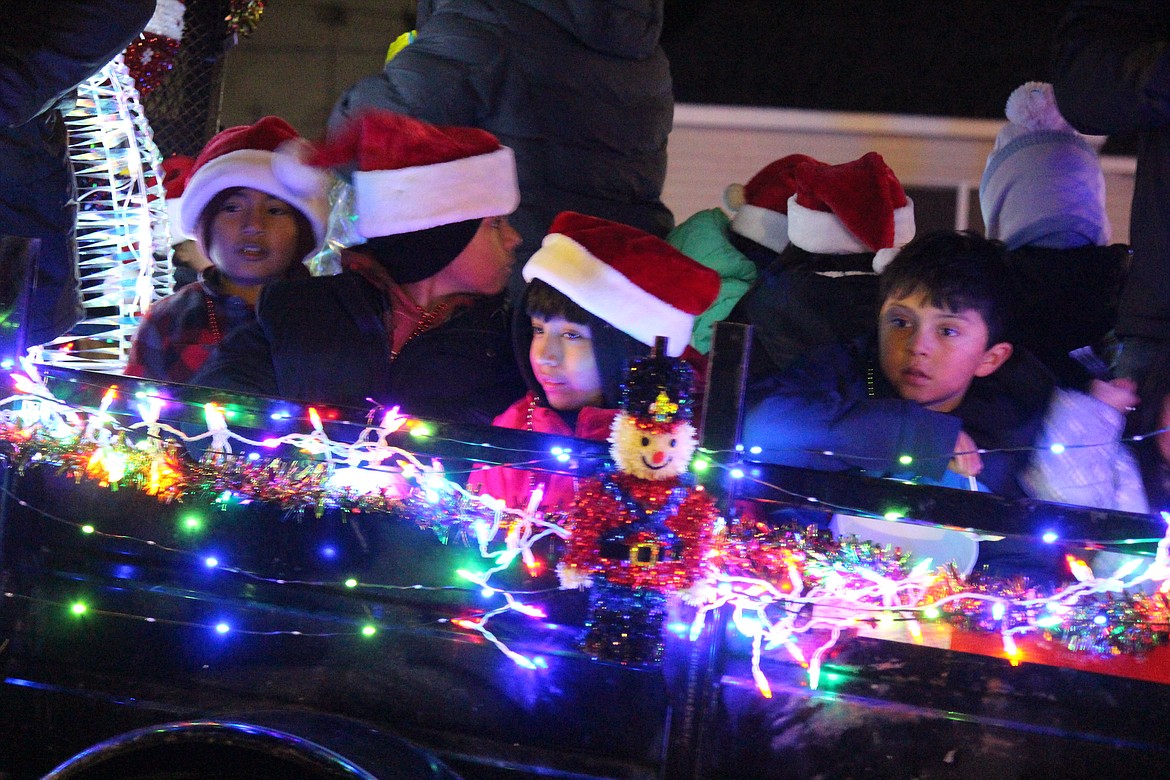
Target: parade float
[197, 584]
[193, 580]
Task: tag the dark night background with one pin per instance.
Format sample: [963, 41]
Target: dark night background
[957, 58]
[936, 57]
[947, 58]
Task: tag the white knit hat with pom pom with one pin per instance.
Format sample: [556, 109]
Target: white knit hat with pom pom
[1042, 185]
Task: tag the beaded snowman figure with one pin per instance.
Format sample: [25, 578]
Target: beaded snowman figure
[643, 529]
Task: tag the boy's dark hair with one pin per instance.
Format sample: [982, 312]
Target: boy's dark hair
[306, 240]
[958, 270]
[547, 302]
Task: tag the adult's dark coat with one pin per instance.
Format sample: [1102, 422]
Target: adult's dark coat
[46, 50]
[1112, 76]
[579, 89]
[324, 340]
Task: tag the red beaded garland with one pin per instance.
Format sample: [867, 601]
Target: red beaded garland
[149, 60]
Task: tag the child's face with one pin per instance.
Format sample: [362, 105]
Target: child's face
[484, 265]
[562, 359]
[253, 237]
[931, 355]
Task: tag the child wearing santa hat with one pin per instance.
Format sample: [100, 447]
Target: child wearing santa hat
[844, 222]
[417, 317]
[740, 245]
[598, 294]
[256, 211]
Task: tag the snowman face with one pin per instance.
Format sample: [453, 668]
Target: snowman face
[651, 451]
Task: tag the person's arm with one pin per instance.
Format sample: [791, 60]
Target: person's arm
[703, 237]
[1090, 467]
[816, 406]
[242, 363]
[1112, 65]
[47, 49]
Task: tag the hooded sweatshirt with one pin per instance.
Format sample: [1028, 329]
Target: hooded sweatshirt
[579, 89]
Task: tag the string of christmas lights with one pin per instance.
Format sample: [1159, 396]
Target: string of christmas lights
[781, 584]
[791, 583]
[121, 219]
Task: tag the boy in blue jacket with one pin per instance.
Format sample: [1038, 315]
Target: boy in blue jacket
[937, 393]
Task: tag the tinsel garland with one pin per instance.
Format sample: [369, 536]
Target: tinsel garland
[244, 16]
[1087, 618]
[1104, 624]
[761, 551]
[599, 523]
[166, 470]
[849, 581]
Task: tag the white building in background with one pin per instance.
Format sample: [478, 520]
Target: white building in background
[938, 160]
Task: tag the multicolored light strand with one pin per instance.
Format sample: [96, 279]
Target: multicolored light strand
[121, 220]
[786, 587]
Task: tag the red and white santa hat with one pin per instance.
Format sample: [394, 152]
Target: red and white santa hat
[761, 205]
[409, 175]
[635, 281]
[175, 170]
[852, 208]
[269, 156]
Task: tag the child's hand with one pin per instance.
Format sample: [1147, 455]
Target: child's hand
[966, 461]
[1121, 393]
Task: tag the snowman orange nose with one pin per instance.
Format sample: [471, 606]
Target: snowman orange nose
[658, 457]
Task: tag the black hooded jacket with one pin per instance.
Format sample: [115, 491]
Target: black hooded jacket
[1112, 76]
[579, 89]
[324, 340]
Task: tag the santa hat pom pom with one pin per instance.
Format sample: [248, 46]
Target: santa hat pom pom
[1033, 107]
[167, 20]
[290, 166]
[735, 196]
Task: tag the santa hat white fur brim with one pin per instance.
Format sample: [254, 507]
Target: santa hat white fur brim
[764, 226]
[390, 202]
[278, 174]
[823, 232]
[597, 287]
[174, 221]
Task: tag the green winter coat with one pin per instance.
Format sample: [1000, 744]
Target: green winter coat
[703, 237]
